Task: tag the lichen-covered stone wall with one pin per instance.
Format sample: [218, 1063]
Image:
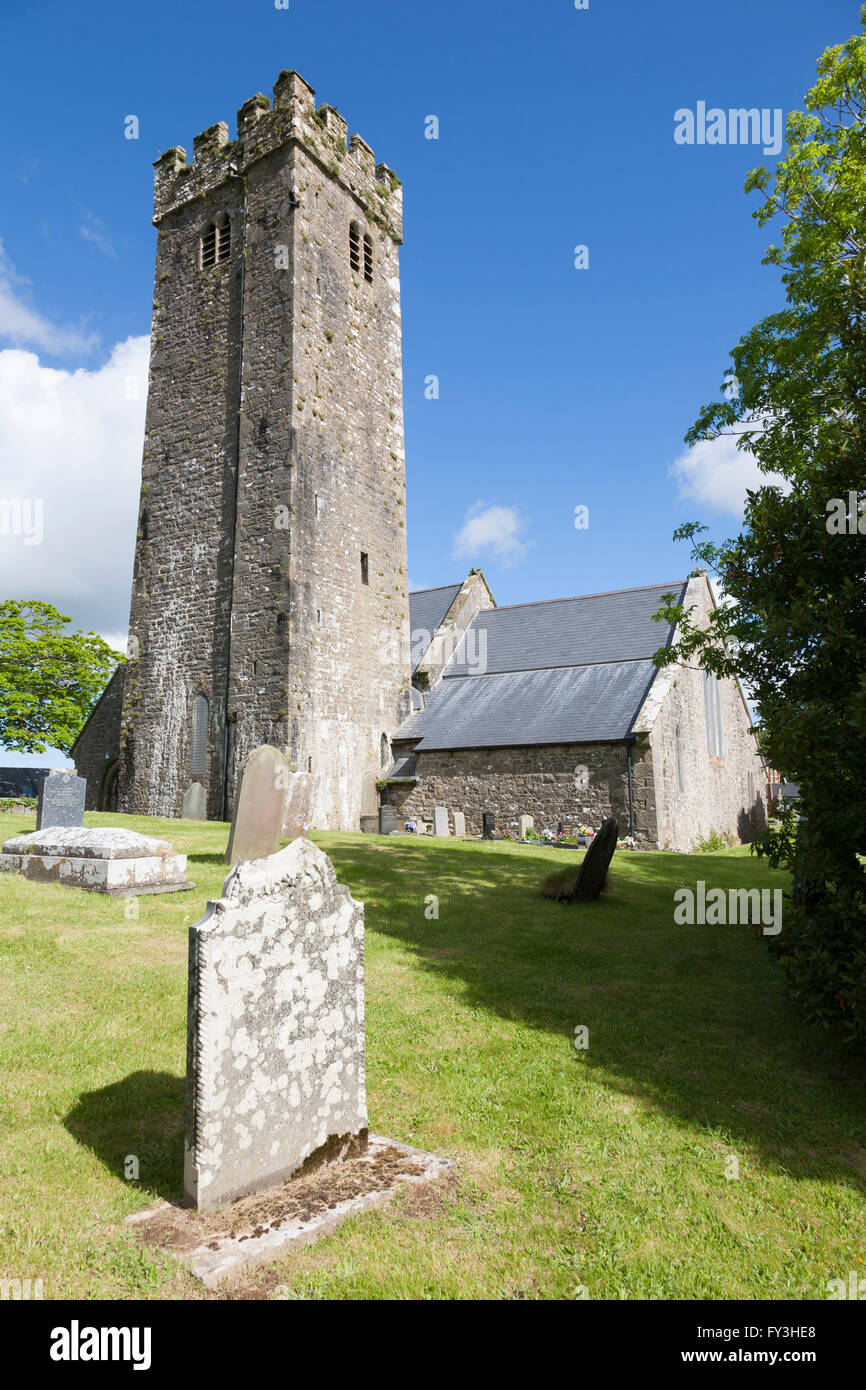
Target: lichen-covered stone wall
[273, 462]
[724, 793]
[97, 748]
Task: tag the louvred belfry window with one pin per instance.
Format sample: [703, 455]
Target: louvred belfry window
[354, 247]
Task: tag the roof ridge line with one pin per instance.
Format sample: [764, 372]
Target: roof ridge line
[564, 666]
[572, 598]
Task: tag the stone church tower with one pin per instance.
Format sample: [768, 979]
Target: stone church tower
[270, 588]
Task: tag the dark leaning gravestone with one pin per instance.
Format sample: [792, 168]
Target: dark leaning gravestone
[60, 801]
[596, 862]
[586, 882]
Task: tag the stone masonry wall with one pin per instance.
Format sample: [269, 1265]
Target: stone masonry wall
[98, 745]
[473, 598]
[273, 461]
[725, 794]
[540, 781]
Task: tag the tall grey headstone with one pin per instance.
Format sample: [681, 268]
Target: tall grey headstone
[275, 1027]
[440, 820]
[459, 823]
[195, 802]
[488, 824]
[61, 800]
[259, 804]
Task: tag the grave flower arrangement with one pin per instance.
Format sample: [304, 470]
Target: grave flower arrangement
[411, 826]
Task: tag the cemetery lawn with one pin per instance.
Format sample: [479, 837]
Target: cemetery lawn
[609, 1170]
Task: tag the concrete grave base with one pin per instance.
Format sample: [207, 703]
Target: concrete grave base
[118, 862]
[271, 1225]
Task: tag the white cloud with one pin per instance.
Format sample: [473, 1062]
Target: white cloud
[94, 232]
[21, 324]
[72, 441]
[717, 473]
[495, 530]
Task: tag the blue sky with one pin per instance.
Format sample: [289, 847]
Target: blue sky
[558, 387]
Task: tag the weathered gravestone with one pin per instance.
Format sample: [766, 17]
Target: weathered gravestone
[459, 824]
[259, 804]
[389, 820]
[440, 820]
[61, 800]
[275, 1033]
[526, 823]
[488, 825]
[596, 862]
[300, 800]
[194, 802]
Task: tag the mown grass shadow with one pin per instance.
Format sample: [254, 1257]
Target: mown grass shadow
[693, 1019]
[140, 1118]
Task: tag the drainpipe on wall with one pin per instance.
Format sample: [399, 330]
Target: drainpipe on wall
[628, 747]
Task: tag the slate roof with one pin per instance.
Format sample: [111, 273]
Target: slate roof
[573, 670]
[427, 608]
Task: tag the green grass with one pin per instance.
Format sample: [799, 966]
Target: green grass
[602, 1169]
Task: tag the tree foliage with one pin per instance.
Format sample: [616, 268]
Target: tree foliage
[50, 679]
[793, 626]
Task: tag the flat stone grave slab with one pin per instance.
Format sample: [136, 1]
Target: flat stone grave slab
[60, 800]
[115, 861]
[271, 1225]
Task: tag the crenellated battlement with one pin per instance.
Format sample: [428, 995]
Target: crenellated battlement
[263, 127]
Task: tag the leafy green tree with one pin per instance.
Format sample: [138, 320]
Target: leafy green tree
[795, 629]
[50, 679]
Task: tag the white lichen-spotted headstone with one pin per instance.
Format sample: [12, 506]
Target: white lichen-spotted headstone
[275, 1036]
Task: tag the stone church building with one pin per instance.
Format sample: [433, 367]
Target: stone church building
[270, 601]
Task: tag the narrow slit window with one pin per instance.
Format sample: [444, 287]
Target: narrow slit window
[681, 776]
[354, 247]
[199, 736]
[365, 567]
[368, 259]
[713, 715]
[708, 718]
